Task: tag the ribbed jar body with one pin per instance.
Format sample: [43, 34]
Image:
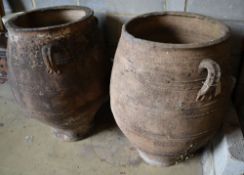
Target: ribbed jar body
[153, 93]
[58, 72]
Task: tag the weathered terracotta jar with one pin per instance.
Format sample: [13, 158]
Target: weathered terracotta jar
[170, 83]
[57, 67]
[3, 60]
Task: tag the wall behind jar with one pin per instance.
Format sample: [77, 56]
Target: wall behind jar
[113, 13]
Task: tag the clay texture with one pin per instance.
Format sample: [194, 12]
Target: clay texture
[3, 60]
[58, 68]
[170, 83]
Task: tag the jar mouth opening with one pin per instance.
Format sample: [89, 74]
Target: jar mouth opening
[177, 29]
[48, 18]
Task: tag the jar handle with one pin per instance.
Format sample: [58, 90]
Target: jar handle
[212, 85]
[48, 60]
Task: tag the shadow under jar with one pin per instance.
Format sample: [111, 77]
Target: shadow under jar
[57, 67]
[170, 83]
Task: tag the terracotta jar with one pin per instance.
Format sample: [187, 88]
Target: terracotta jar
[170, 83]
[57, 67]
[3, 60]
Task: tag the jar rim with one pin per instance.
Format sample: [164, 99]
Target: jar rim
[217, 40]
[10, 24]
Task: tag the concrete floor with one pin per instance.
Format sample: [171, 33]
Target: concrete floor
[28, 147]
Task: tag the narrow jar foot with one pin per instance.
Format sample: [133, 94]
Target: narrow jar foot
[155, 159]
[70, 136]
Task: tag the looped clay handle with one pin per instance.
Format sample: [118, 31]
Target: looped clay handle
[212, 85]
[48, 60]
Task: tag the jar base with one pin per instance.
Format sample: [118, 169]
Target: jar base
[71, 136]
[156, 160]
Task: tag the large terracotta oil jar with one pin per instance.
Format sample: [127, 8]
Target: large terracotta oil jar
[57, 68]
[170, 83]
